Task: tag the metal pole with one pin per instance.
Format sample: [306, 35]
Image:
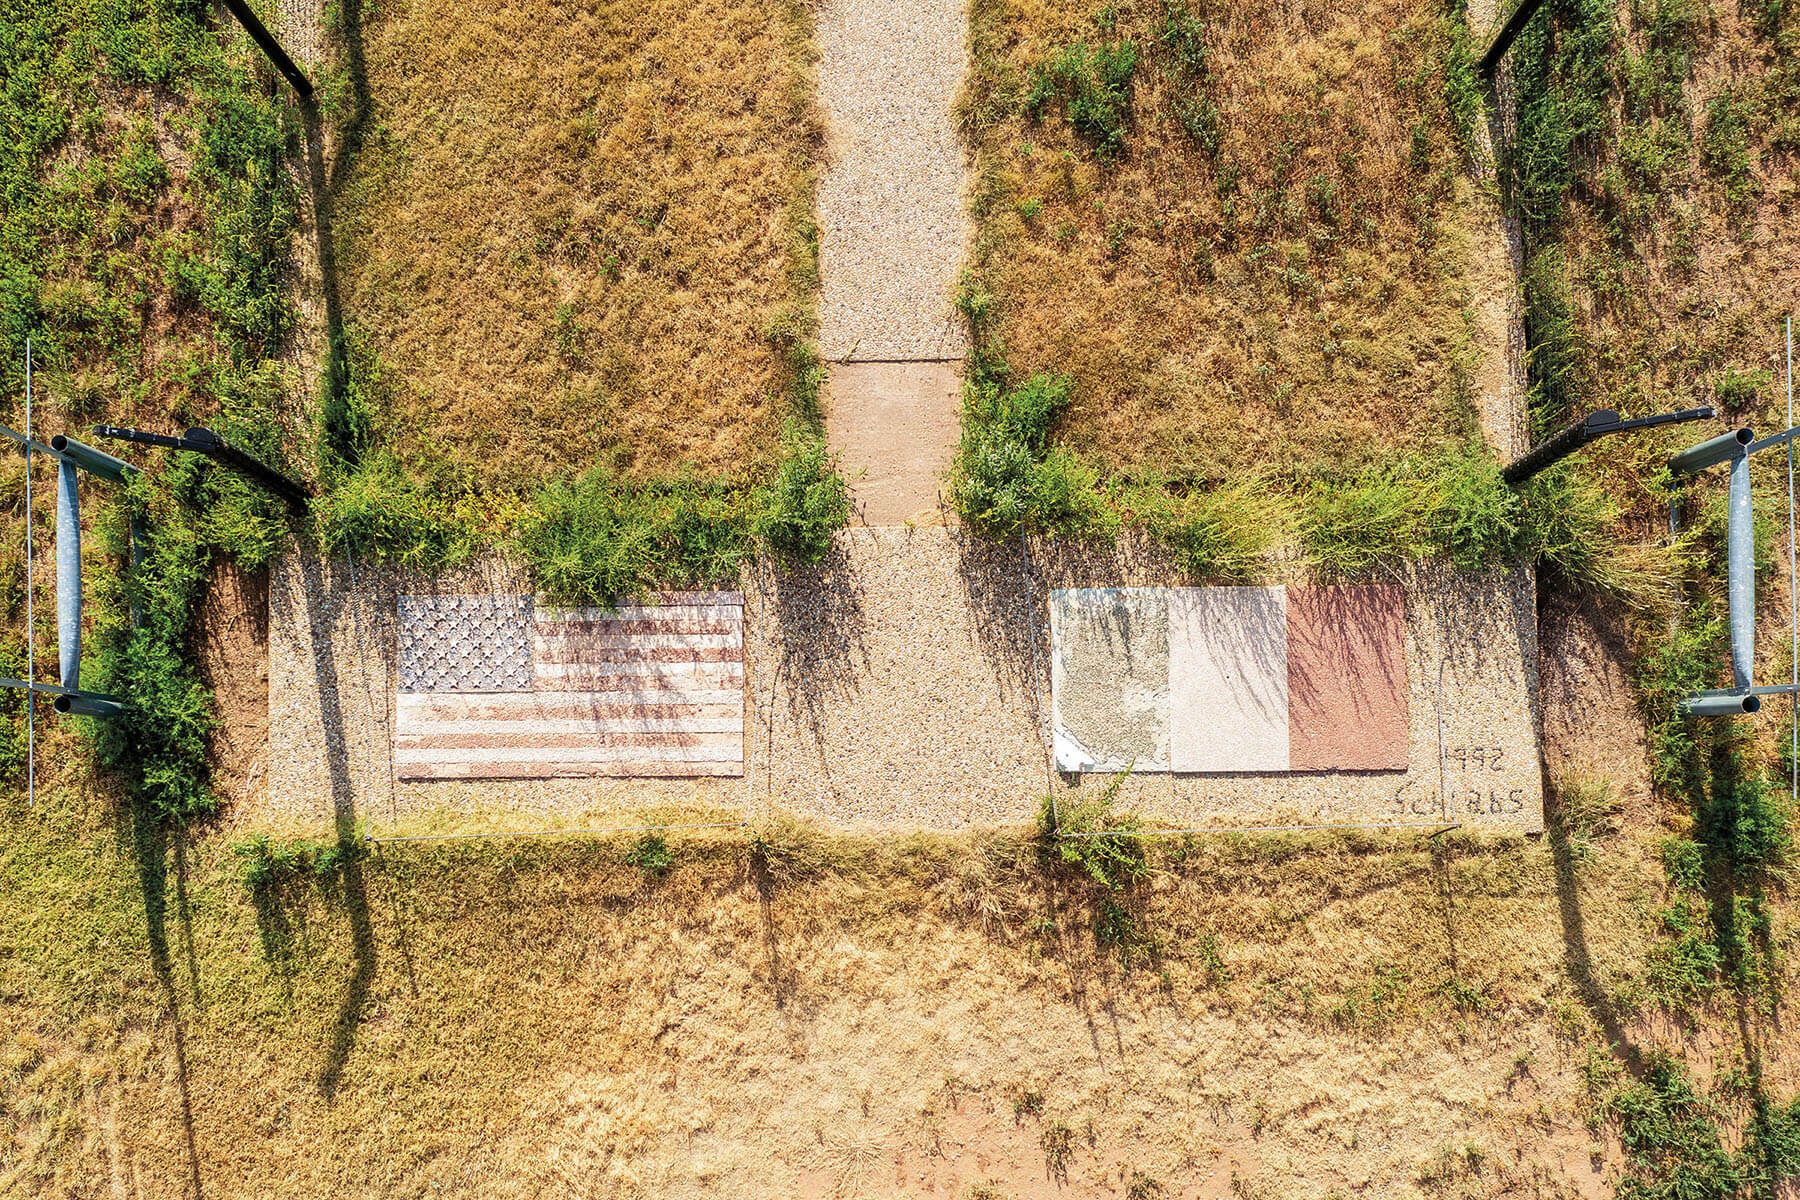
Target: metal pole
[30, 615]
[68, 574]
[1503, 40]
[262, 37]
[1793, 596]
[1740, 573]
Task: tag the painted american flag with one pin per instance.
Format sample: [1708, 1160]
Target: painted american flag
[498, 687]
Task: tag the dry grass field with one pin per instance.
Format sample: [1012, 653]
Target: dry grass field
[581, 233]
[1272, 267]
[824, 1016]
[907, 1019]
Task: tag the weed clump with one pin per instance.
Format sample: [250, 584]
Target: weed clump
[270, 866]
[807, 502]
[597, 538]
[1094, 84]
[1007, 476]
[651, 855]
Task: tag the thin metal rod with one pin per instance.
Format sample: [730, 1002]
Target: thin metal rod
[51, 689]
[451, 837]
[1445, 826]
[30, 612]
[1793, 594]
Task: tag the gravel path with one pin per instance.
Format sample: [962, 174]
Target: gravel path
[891, 209]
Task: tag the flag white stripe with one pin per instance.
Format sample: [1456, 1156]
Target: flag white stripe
[647, 641]
[725, 670]
[501, 728]
[532, 754]
[672, 691]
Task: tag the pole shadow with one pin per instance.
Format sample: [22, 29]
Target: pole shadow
[355, 896]
[151, 848]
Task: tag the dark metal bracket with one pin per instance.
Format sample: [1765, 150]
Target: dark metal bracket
[1590, 429]
[200, 440]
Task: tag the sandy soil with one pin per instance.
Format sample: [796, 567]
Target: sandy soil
[233, 640]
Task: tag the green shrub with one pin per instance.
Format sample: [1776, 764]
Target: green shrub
[1465, 93]
[246, 144]
[1772, 1155]
[808, 501]
[1479, 518]
[1672, 667]
[1748, 822]
[1555, 353]
[1683, 967]
[650, 854]
[1569, 520]
[378, 509]
[1670, 1134]
[270, 866]
[595, 539]
[159, 746]
[1737, 390]
[1006, 477]
[1094, 84]
[1352, 525]
[1225, 532]
[1725, 146]
[13, 735]
[1087, 833]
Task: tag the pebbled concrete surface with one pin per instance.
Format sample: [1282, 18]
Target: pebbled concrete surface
[891, 211]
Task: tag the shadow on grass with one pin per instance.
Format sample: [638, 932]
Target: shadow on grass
[151, 845]
[324, 183]
[1577, 958]
[350, 876]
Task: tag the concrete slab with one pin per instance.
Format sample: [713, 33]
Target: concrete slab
[895, 426]
[892, 217]
[1228, 679]
[1110, 678]
[1347, 704]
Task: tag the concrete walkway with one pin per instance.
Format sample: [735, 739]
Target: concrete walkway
[893, 230]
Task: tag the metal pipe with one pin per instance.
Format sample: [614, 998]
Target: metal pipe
[90, 704]
[1740, 573]
[201, 440]
[1718, 706]
[1591, 428]
[97, 461]
[68, 574]
[262, 37]
[1712, 452]
[1503, 40]
[30, 608]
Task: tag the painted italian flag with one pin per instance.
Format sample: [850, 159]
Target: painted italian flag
[1230, 679]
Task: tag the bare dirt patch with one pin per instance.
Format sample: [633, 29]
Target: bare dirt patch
[232, 635]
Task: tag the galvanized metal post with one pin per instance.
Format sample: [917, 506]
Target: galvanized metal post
[30, 613]
[68, 574]
[1718, 706]
[1740, 573]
